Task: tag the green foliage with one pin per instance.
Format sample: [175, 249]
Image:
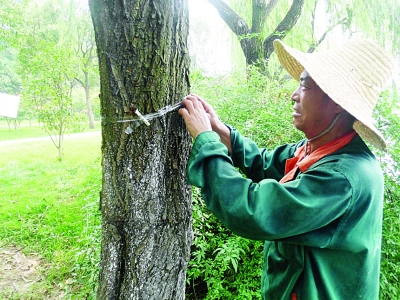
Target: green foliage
[9, 80]
[390, 267]
[388, 121]
[374, 18]
[46, 74]
[324, 23]
[10, 19]
[85, 257]
[223, 265]
[258, 106]
[53, 42]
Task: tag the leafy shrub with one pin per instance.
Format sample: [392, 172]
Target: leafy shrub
[223, 265]
[390, 267]
[387, 115]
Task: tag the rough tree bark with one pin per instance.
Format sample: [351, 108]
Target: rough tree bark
[254, 47]
[145, 202]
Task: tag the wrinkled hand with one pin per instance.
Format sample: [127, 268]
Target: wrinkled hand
[199, 116]
[196, 116]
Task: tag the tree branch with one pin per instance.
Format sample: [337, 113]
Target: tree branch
[248, 42]
[317, 43]
[284, 27]
[270, 7]
[231, 18]
[80, 81]
[258, 15]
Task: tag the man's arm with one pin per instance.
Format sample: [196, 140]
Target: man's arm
[267, 210]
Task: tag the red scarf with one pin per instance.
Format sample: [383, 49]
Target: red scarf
[302, 162]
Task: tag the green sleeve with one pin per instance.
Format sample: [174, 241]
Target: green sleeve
[258, 163]
[266, 210]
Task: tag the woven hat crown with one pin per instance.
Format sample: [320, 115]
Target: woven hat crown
[353, 75]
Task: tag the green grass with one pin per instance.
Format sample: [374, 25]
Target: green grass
[27, 129]
[51, 208]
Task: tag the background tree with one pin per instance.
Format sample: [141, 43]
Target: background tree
[306, 23]
[255, 43]
[47, 70]
[54, 44]
[10, 20]
[85, 46]
[145, 202]
[10, 83]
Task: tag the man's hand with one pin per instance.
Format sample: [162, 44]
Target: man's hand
[199, 116]
[196, 118]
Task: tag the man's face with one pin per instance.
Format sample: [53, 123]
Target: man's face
[313, 109]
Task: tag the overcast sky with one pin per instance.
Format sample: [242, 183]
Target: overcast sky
[210, 39]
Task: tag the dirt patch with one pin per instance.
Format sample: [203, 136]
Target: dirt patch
[17, 271]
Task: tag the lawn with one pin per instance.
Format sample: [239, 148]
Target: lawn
[27, 129]
[50, 208]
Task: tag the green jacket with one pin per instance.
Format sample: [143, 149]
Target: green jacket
[322, 229]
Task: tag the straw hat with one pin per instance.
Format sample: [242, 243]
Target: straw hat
[353, 75]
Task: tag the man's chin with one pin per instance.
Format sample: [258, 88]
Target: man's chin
[296, 124]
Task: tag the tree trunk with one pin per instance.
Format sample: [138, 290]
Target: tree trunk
[145, 202]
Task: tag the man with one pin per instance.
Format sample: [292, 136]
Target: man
[316, 203]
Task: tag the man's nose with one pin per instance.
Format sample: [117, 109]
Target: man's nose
[295, 96]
